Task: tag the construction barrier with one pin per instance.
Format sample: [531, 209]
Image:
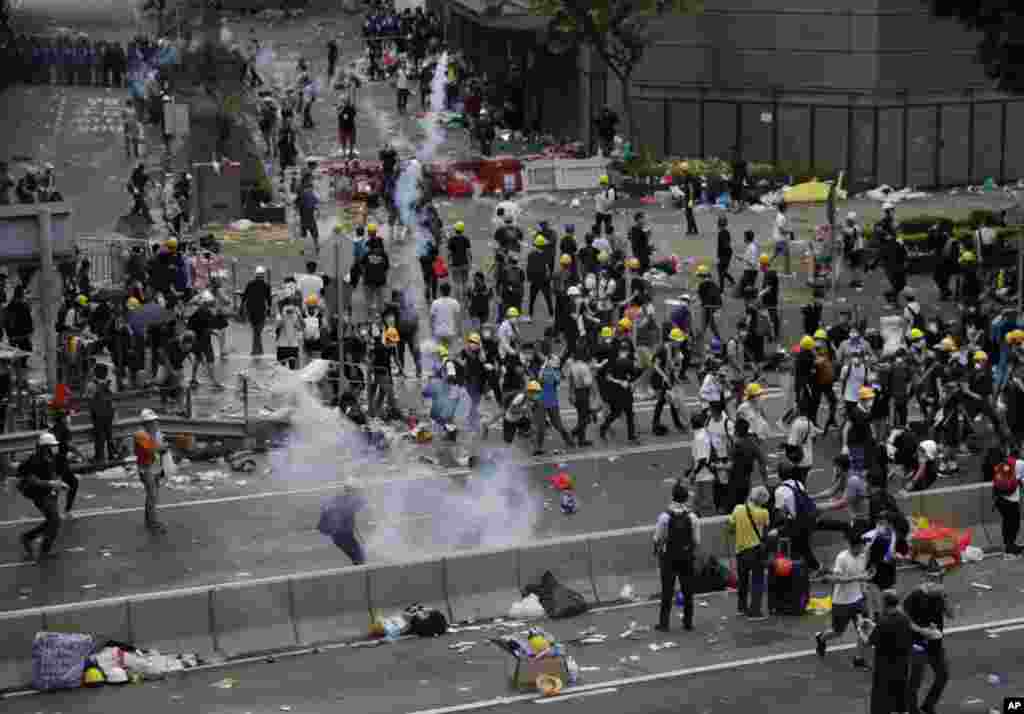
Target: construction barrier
[335, 605]
[108, 257]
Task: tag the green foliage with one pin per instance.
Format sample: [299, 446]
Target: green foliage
[643, 165]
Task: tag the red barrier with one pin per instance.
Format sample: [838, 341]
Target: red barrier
[502, 173]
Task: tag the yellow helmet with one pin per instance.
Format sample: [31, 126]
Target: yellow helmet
[1015, 337]
[172, 244]
[980, 356]
[603, 180]
[93, 677]
[512, 312]
[866, 393]
[133, 303]
[633, 263]
[391, 336]
[460, 227]
[539, 241]
[753, 390]
[625, 324]
[371, 228]
[442, 351]
[968, 257]
[807, 342]
[677, 335]
[607, 332]
[703, 270]
[764, 259]
[916, 334]
[82, 300]
[533, 386]
[473, 339]
[947, 344]
[820, 334]
[602, 257]
[312, 300]
[566, 259]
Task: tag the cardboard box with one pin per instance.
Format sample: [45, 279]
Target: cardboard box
[527, 671]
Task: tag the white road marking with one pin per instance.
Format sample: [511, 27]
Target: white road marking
[573, 695]
[688, 672]
[376, 483]
[1001, 630]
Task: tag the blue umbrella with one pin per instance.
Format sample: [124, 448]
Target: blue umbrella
[149, 314]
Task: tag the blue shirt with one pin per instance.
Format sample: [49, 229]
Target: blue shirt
[550, 379]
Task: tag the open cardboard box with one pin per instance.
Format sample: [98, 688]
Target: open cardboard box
[526, 671]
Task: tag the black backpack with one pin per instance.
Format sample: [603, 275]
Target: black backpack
[806, 516]
[426, 623]
[680, 541]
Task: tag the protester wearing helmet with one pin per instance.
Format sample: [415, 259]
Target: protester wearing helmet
[256, 301]
[538, 272]
[38, 482]
[859, 439]
[665, 369]
[710, 296]
[604, 202]
[204, 324]
[517, 417]
[640, 243]
[445, 396]
[508, 333]
[621, 374]
[460, 258]
[149, 456]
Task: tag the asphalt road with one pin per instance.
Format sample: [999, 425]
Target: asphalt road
[775, 660]
[230, 526]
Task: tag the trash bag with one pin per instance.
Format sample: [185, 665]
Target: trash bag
[529, 608]
[58, 660]
[426, 623]
[558, 600]
[709, 576]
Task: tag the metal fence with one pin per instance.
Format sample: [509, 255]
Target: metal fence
[107, 257]
[913, 143]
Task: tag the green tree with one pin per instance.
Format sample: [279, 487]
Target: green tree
[1001, 24]
[619, 31]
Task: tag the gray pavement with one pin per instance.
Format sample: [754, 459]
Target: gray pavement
[775, 660]
[231, 526]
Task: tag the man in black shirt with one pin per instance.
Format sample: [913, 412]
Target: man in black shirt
[640, 242]
[710, 299]
[460, 256]
[347, 128]
[927, 607]
[38, 482]
[332, 56]
[538, 272]
[893, 640]
[256, 305]
[769, 293]
[619, 375]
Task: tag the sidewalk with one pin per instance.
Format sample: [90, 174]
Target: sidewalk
[414, 674]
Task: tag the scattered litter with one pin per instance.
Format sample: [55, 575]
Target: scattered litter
[285, 708]
[628, 592]
[590, 669]
[972, 554]
[635, 629]
[655, 647]
[76, 549]
[981, 586]
[595, 640]
[465, 689]
[613, 459]
[993, 635]
[995, 680]
[226, 683]
[90, 586]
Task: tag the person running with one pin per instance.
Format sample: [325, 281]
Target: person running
[38, 482]
[848, 576]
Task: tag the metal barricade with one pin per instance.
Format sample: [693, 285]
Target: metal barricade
[107, 257]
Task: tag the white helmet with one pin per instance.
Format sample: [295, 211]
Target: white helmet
[260, 270]
[47, 439]
[851, 216]
[930, 449]
[888, 206]
[148, 415]
[206, 296]
[574, 291]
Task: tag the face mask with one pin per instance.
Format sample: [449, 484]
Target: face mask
[867, 404]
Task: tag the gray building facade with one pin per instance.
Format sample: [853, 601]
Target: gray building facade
[876, 87]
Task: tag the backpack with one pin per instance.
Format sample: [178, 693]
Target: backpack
[680, 542]
[916, 319]
[514, 279]
[426, 623]
[824, 370]
[806, 509]
[311, 328]
[1004, 479]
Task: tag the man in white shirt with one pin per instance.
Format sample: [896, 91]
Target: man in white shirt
[508, 335]
[848, 576]
[801, 436]
[782, 234]
[309, 283]
[444, 316]
[603, 203]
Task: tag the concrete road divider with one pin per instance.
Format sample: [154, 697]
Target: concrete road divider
[568, 560]
[482, 583]
[19, 630]
[253, 617]
[332, 607]
[105, 619]
[174, 623]
[624, 557]
[395, 586]
[278, 613]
